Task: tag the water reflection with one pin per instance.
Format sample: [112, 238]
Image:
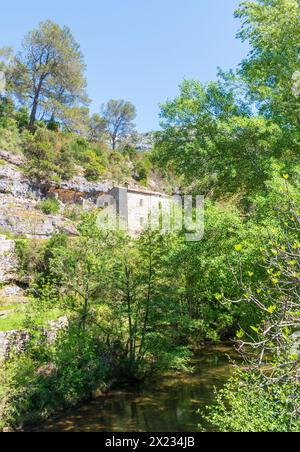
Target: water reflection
[168, 404]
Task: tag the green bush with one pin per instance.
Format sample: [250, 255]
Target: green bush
[93, 165]
[10, 138]
[35, 385]
[49, 206]
[142, 170]
[245, 405]
[93, 158]
[49, 155]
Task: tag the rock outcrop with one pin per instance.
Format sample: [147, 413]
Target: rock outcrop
[13, 341]
[13, 182]
[12, 294]
[77, 190]
[14, 159]
[17, 341]
[20, 217]
[8, 260]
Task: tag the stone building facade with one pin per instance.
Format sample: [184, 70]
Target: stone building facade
[136, 207]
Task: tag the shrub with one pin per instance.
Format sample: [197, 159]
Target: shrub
[130, 151]
[93, 158]
[142, 170]
[49, 206]
[93, 166]
[244, 405]
[30, 254]
[10, 138]
[35, 385]
[49, 155]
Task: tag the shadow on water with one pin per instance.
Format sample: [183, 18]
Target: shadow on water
[167, 404]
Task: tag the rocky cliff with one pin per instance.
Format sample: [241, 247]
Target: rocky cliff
[19, 197]
[19, 212]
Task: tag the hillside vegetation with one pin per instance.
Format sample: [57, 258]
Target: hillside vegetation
[141, 305]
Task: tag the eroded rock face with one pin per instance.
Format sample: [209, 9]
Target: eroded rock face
[80, 184]
[10, 157]
[13, 182]
[11, 294]
[13, 341]
[79, 189]
[8, 260]
[20, 217]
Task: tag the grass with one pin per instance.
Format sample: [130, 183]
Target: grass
[16, 320]
[12, 322]
[8, 307]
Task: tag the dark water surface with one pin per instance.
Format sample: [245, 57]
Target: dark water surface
[167, 404]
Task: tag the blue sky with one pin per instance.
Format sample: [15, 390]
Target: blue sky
[139, 50]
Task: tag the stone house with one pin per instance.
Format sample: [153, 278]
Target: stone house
[136, 207]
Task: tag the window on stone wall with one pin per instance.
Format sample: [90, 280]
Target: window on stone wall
[142, 221]
[141, 202]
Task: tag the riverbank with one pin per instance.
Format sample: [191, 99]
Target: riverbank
[168, 403]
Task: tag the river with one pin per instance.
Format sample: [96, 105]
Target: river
[170, 403]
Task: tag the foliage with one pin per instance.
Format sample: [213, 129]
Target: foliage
[118, 116]
[49, 206]
[119, 288]
[47, 75]
[210, 137]
[245, 406]
[266, 396]
[272, 29]
[97, 128]
[94, 167]
[142, 168]
[10, 139]
[49, 156]
[45, 379]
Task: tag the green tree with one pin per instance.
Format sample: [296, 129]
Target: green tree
[49, 156]
[146, 292]
[81, 269]
[119, 116]
[210, 137]
[97, 128]
[272, 29]
[47, 74]
[265, 397]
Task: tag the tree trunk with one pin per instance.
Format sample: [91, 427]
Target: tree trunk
[114, 142]
[148, 300]
[33, 113]
[36, 102]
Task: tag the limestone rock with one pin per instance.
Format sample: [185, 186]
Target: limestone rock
[20, 217]
[17, 341]
[8, 260]
[13, 158]
[13, 182]
[79, 189]
[11, 294]
[13, 341]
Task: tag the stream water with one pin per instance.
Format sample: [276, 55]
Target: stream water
[170, 403]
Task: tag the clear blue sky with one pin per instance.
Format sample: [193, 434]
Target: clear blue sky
[139, 50]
